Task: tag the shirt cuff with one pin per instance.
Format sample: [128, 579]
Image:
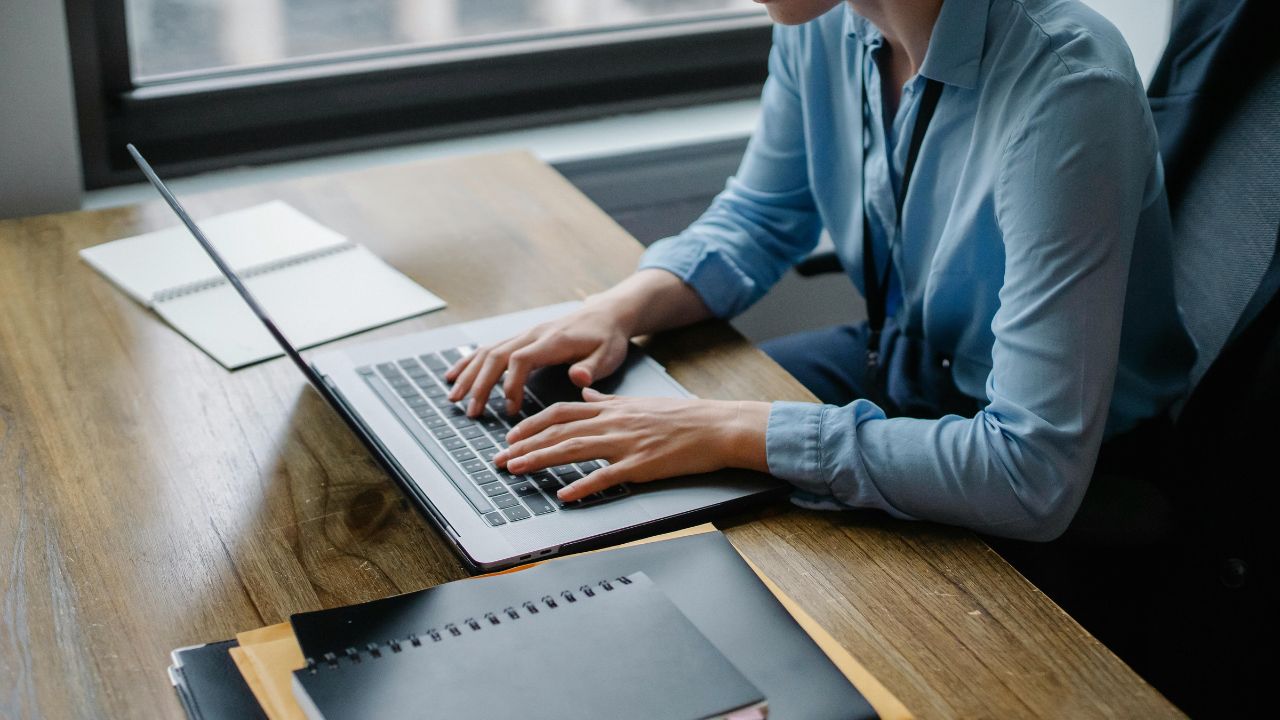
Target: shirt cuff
[793, 446]
[724, 288]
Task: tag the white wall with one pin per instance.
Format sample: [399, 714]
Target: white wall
[39, 148]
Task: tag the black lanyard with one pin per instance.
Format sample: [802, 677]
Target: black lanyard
[876, 288]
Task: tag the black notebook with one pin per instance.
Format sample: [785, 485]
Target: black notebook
[702, 575]
[613, 648]
[209, 684]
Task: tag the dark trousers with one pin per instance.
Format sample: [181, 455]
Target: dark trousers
[831, 362]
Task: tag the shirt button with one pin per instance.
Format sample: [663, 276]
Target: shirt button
[1233, 573]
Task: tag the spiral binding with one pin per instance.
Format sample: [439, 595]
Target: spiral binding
[375, 650]
[250, 272]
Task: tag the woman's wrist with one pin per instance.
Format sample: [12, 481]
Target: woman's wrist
[649, 301]
[741, 434]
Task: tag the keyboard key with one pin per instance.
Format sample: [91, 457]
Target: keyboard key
[523, 488]
[570, 477]
[443, 402]
[495, 519]
[564, 469]
[463, 455]
[452, 411]
[517, 513]
[453, 443]
[540, 474]
[470, 433]
[589, 467]
[489, 422]
[615, 491]
[484, 477]
[493, 490]
[407, 363]
[443, 432]
[483, 443]
[432, 390]
[462, 421]
[451, 356]
[407, 391]
[548, 485]
[434, 362]
[506, 500]
[432, 419]
[388, 370]
[473, 466]
[539, 505]
[417, 401]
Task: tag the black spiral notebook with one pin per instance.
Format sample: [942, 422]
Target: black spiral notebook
[614, 648]
[703, 575]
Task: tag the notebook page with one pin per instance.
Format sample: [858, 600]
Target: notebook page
[313, 302]
[146, 265]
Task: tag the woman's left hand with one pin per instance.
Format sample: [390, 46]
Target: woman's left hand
[642, 438]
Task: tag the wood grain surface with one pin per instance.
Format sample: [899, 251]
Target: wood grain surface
[150, 499]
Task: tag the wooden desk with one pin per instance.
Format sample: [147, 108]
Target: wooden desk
[149, 499]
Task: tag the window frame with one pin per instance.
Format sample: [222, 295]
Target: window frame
[303, 109]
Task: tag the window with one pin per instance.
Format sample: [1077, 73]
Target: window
[201, 84]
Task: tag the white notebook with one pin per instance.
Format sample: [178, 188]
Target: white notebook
[314, 283]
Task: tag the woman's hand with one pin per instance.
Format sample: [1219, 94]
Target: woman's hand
[593, 338]
[642, 438]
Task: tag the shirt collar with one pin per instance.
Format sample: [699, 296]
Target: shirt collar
[955, 48]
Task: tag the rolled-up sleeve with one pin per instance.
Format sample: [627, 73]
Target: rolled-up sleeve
[765, 220]
[1077, 171]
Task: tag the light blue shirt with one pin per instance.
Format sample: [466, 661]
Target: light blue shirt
[1034, 252]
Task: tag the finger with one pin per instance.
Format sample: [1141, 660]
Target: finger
[458, 367]
[549, 437]
[593, 395]
[604, 478]
[462, 382]
[545, 351]
[575, 449]
[455, 369]
[561, 412]
[486, 378]
[603, 360]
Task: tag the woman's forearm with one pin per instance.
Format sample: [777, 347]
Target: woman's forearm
[652, 300]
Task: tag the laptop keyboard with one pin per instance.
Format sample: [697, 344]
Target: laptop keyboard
[417, 393]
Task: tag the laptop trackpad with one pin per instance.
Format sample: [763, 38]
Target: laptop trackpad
[639, 376]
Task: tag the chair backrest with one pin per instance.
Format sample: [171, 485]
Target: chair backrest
[1216, 103]
[1224, 180]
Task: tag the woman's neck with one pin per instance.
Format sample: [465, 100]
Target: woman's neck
[906, 26]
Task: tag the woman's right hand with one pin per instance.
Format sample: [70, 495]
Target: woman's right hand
[593, 338]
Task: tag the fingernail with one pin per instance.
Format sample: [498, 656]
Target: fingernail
[500, 458]
[515, 464]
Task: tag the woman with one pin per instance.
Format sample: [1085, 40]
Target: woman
[988, 171]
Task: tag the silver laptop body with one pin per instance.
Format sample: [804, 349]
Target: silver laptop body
[379, 388]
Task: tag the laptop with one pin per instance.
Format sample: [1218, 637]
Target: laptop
[391, 393]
